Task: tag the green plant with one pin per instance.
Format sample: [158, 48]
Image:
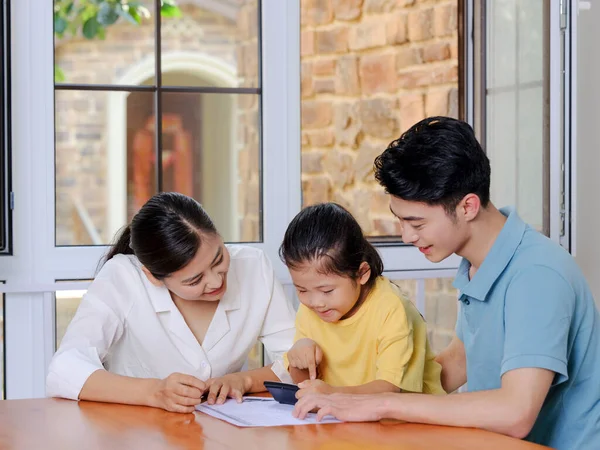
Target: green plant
[92, 17]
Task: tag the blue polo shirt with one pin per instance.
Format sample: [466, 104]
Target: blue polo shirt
[529, 305]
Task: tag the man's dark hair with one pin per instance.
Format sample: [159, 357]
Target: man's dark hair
[437, 161]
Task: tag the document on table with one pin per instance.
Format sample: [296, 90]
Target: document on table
[258, 412]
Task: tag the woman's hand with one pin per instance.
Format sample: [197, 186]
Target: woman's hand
[306, 354]
[234, 385]
[177, 393]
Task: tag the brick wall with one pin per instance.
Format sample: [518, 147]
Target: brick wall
[370, 70]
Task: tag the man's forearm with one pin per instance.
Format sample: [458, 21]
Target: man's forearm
[492, 410]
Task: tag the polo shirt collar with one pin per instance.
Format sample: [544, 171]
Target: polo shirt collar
[496, 260]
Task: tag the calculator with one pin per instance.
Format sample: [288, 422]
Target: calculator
[284, 393]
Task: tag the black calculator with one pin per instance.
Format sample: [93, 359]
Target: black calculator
[284, 393]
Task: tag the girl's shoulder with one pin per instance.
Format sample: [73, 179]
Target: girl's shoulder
[387, 297]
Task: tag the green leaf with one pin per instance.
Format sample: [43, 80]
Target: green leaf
[167, 10]
[60, 24]
[59, 75]
[130, 15]
[69, 8]
[107, 14]
[90, 28]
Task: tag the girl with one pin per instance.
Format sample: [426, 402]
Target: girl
[172, 316]
[353, 328]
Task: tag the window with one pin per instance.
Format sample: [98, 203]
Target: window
[513, 106]
[370, 70]
[5, 185]
[157, 98]
[437, 300]
[67, 303]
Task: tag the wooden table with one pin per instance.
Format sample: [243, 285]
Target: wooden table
[50, 424]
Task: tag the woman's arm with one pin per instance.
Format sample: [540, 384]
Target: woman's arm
[235, 385]
[178, 392]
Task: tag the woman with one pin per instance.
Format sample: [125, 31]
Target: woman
[172, 316]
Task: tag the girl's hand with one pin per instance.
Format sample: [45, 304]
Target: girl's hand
[306, 354]
[177, 393]
[314, 387]
[233, 385]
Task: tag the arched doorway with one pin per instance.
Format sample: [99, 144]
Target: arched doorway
[199, 154]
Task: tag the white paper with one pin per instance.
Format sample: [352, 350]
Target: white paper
[258, 412]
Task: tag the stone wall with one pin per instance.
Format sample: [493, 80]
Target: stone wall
[370, 70]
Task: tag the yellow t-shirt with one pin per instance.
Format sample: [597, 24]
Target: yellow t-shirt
[385, 340]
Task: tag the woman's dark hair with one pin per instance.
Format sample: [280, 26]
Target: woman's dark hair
[437, 161]
[329, 234]
[165, 234]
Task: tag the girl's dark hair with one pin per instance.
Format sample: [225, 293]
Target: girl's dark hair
[330, 234]
[165, 234]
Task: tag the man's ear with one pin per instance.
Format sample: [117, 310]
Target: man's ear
[364, 273]
[155, 281]
[469, 207]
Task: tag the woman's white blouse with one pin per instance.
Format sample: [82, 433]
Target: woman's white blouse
[130, 327]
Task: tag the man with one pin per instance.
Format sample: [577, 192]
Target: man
[528, 332]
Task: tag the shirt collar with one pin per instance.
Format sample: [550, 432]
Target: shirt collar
[496, 260]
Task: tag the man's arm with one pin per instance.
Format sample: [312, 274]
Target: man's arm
[454, 365]
[511, 410]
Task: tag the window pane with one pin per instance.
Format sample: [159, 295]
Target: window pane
[440, 307]
[67, 303]
[516, 106]
[255, 358]
[211, 151]
[85, 51]
[370, 70]
[216, 41]
[97, 186]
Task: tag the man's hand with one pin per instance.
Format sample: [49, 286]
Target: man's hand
[345, 407]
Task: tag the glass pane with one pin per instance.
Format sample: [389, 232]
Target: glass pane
[584, 175]
[441, 306]
[67, 303]
[370, 70]
[515, 106]
[119, 52]
[97, 188]
[211, 151]
[215, 42]
[255, 358]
